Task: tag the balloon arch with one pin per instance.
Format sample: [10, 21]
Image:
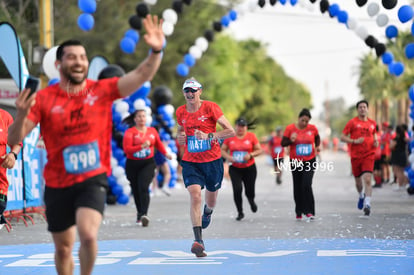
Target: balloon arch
[160, 114]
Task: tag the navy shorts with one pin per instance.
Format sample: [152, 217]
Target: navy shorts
[205, 174]
[62, 203]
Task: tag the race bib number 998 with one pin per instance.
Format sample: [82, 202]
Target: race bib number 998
[83, 158]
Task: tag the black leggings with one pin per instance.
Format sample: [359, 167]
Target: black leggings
[248, 177]
[302, 188]
[140, 174]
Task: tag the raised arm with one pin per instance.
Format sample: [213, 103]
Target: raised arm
[145, 71]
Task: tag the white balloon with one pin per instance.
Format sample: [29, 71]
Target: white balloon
[48, 63]
[170, 15]
[252, 6]
[362, 32]
[174, 163]
[240, 9]
[118, 172]
[372, 9]
[382, 20]
[195, 52]
[139, 104]
[124, 115]
[202, 43]
[148, 110]
[167, 28]
[151, 2]
[411, 158]
[149, 120]
[114, 162]
[126, 189]
[352, 23]
[123, 180]
[169, 109]
[121, 107]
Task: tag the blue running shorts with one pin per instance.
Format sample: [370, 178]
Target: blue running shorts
[205, 174]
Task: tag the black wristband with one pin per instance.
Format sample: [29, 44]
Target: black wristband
[156, 52]
[15, 155]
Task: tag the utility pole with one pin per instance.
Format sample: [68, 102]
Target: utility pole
[46, 23]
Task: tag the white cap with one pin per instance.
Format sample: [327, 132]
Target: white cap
[193, 84]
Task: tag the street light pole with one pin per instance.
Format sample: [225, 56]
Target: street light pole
[46, 23]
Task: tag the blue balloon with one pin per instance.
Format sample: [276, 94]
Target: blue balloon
[412, 115]
[148, 102]
[233, 15]
[182, 69]
[127, 45]
[283, 2]
[133, 34]
[117, 190]
[86, 21]
[118, 154]
[411, 93]
[293, 2]
[116, 118]
[398, 68]
[343, 17]
[189, 60]
[334, 10]
[410, 173]
[225, 20]
[122, 199]
[387, 58]
[111, 181]
[405, 13]
[409, 50]
[53, 81]
[87, 6]
[391, 31]
[122, 162]
[412, 29]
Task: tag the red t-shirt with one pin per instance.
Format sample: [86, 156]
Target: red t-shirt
[357, 128]
[205, 120]
[385, 143]
[75, 129]
[239, 147]
[276, 149]
[133, 140]
[304, 146]
[5, 121]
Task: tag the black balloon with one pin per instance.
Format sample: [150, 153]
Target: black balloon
[177, 6]
[312, 1]
[361, 3]
[162, 95]
[135, 22]
[380, 49]
[261, 3]
[209, 35]
[111, 70]
[110, 199]
[324, 5]
[273, 2]
[217, 26]
[389, 4]
[142, 9]
[371, 41]
[188, 2]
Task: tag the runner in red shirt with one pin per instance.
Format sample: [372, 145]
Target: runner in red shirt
[385, 141]
[73, 116]
[139, 143]
[7, 160]
[240, 151]
[202, 162]
[303, 140]
[277, 152]
[361, 134]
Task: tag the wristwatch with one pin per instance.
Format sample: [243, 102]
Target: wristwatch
[210, 135]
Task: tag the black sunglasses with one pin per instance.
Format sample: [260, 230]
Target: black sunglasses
[190, 90]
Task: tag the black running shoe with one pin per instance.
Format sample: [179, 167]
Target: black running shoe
[240, 217]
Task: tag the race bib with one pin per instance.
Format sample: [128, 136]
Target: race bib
[278, 149]
[197, 145]
[304, 150]
[79, 159]
[238, 156]
[143, 153]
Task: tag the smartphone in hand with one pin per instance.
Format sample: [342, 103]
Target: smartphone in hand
[32, 83]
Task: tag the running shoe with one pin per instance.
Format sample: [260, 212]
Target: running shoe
[367, 210]
[145, 221]
[253, 206]
[361, 203]
[240, 217]
[310, 217]
[278, 181]
[198, 249]
[206, 218]
[298, 217]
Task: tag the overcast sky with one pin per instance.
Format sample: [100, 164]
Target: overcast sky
[313, 48]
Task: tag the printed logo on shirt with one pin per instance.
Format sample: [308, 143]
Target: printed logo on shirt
[202, 118]
[90, 99]
[57, 110]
